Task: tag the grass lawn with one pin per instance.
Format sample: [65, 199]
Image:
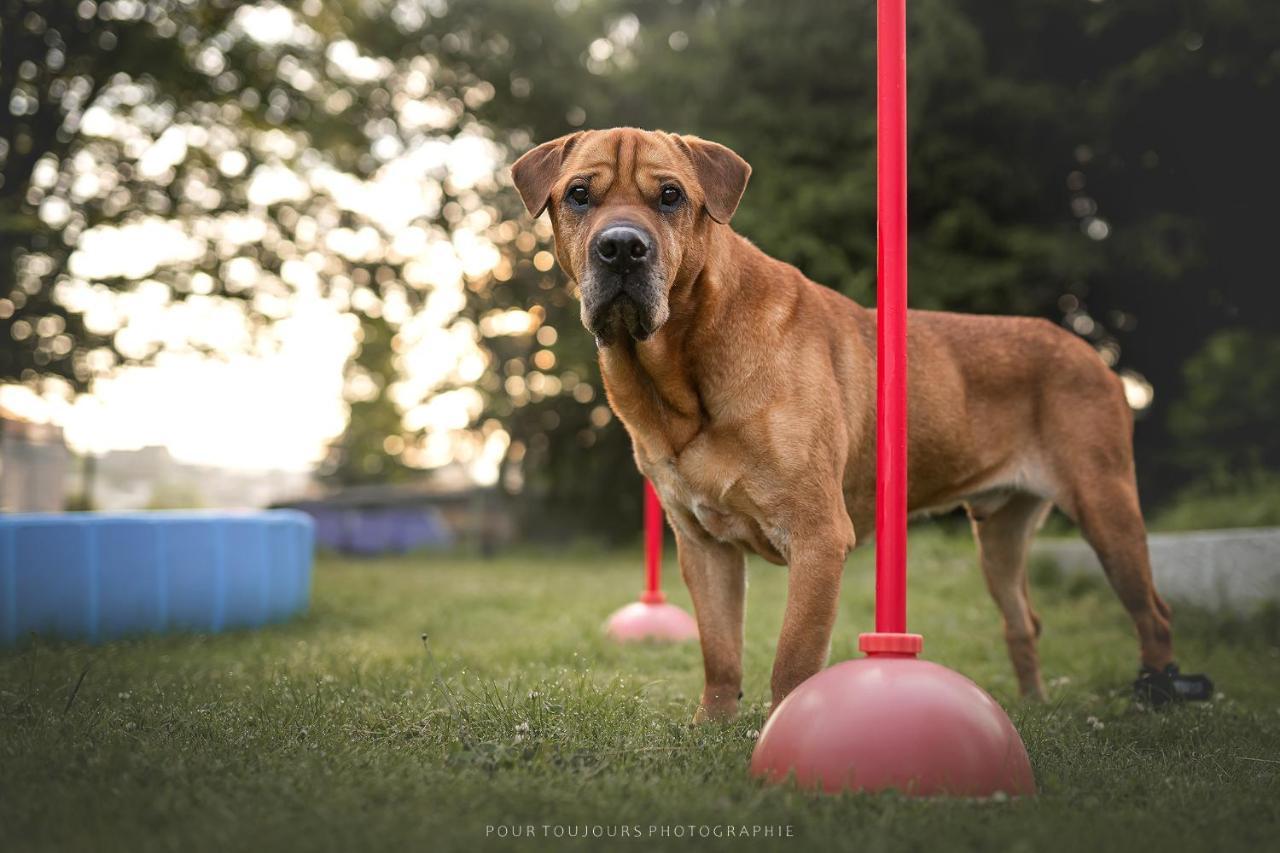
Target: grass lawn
[333, 731]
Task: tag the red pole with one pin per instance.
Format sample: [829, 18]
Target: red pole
[652, 546]
[891, 327]
[652, 617]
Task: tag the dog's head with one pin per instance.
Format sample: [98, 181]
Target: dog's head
[632, 212]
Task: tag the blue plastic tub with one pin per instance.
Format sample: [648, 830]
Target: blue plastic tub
[98, 576]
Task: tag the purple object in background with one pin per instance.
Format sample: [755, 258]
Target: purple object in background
[373, 530]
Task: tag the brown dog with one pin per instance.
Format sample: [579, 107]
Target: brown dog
[749, 395]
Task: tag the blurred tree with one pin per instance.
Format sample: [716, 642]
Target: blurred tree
[58, 61]
[1105, 165]
[1226, 422]
[1174, 179]
[166, 495]
[568, 460]
[760, 79]
[229, 153]
[371, 448]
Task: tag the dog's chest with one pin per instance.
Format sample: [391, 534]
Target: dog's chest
[704, 495]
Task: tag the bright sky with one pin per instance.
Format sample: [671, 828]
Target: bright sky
[246, 412]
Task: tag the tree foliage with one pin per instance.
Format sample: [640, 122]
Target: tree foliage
[1103, 165]
[1225, 422]
[244, 141]
[1107, 165]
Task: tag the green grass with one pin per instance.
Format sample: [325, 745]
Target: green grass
[1250, 502]
[333, 732]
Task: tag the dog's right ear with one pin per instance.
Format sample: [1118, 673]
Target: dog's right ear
[536, 171]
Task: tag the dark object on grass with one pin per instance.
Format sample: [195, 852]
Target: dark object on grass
[1160, 687]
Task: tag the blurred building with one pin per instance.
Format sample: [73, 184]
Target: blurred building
[34, 466]
[150, 478]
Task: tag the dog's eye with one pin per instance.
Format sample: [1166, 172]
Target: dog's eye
[578, 196]
[669, 197]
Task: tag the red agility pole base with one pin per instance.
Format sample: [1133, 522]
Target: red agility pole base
[893, 722]
[890, 721]
[652, 617]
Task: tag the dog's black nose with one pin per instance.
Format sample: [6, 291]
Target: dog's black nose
[622, 247]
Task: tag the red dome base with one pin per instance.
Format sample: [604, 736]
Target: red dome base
[890, 722]
[659, 621]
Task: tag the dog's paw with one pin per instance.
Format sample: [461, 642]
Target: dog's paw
[1157, 687]
[705, 715]
[717, 707]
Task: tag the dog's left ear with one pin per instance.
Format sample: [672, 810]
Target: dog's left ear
[535, 173]
[722, 173]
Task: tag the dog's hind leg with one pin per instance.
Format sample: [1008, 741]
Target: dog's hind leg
[1004, 535]
[1101, 495]
[1106, 508]
[1108, 513]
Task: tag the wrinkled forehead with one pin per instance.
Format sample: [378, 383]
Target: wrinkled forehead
[638, 158]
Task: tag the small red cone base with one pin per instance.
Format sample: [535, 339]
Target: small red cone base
[657, 621]
[893, 722]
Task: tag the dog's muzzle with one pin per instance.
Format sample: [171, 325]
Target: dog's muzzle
[623, 291]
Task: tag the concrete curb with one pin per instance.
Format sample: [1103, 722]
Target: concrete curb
[1218, 569]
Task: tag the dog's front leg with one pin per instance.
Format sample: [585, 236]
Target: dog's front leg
[813, 595]
[716, 576]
